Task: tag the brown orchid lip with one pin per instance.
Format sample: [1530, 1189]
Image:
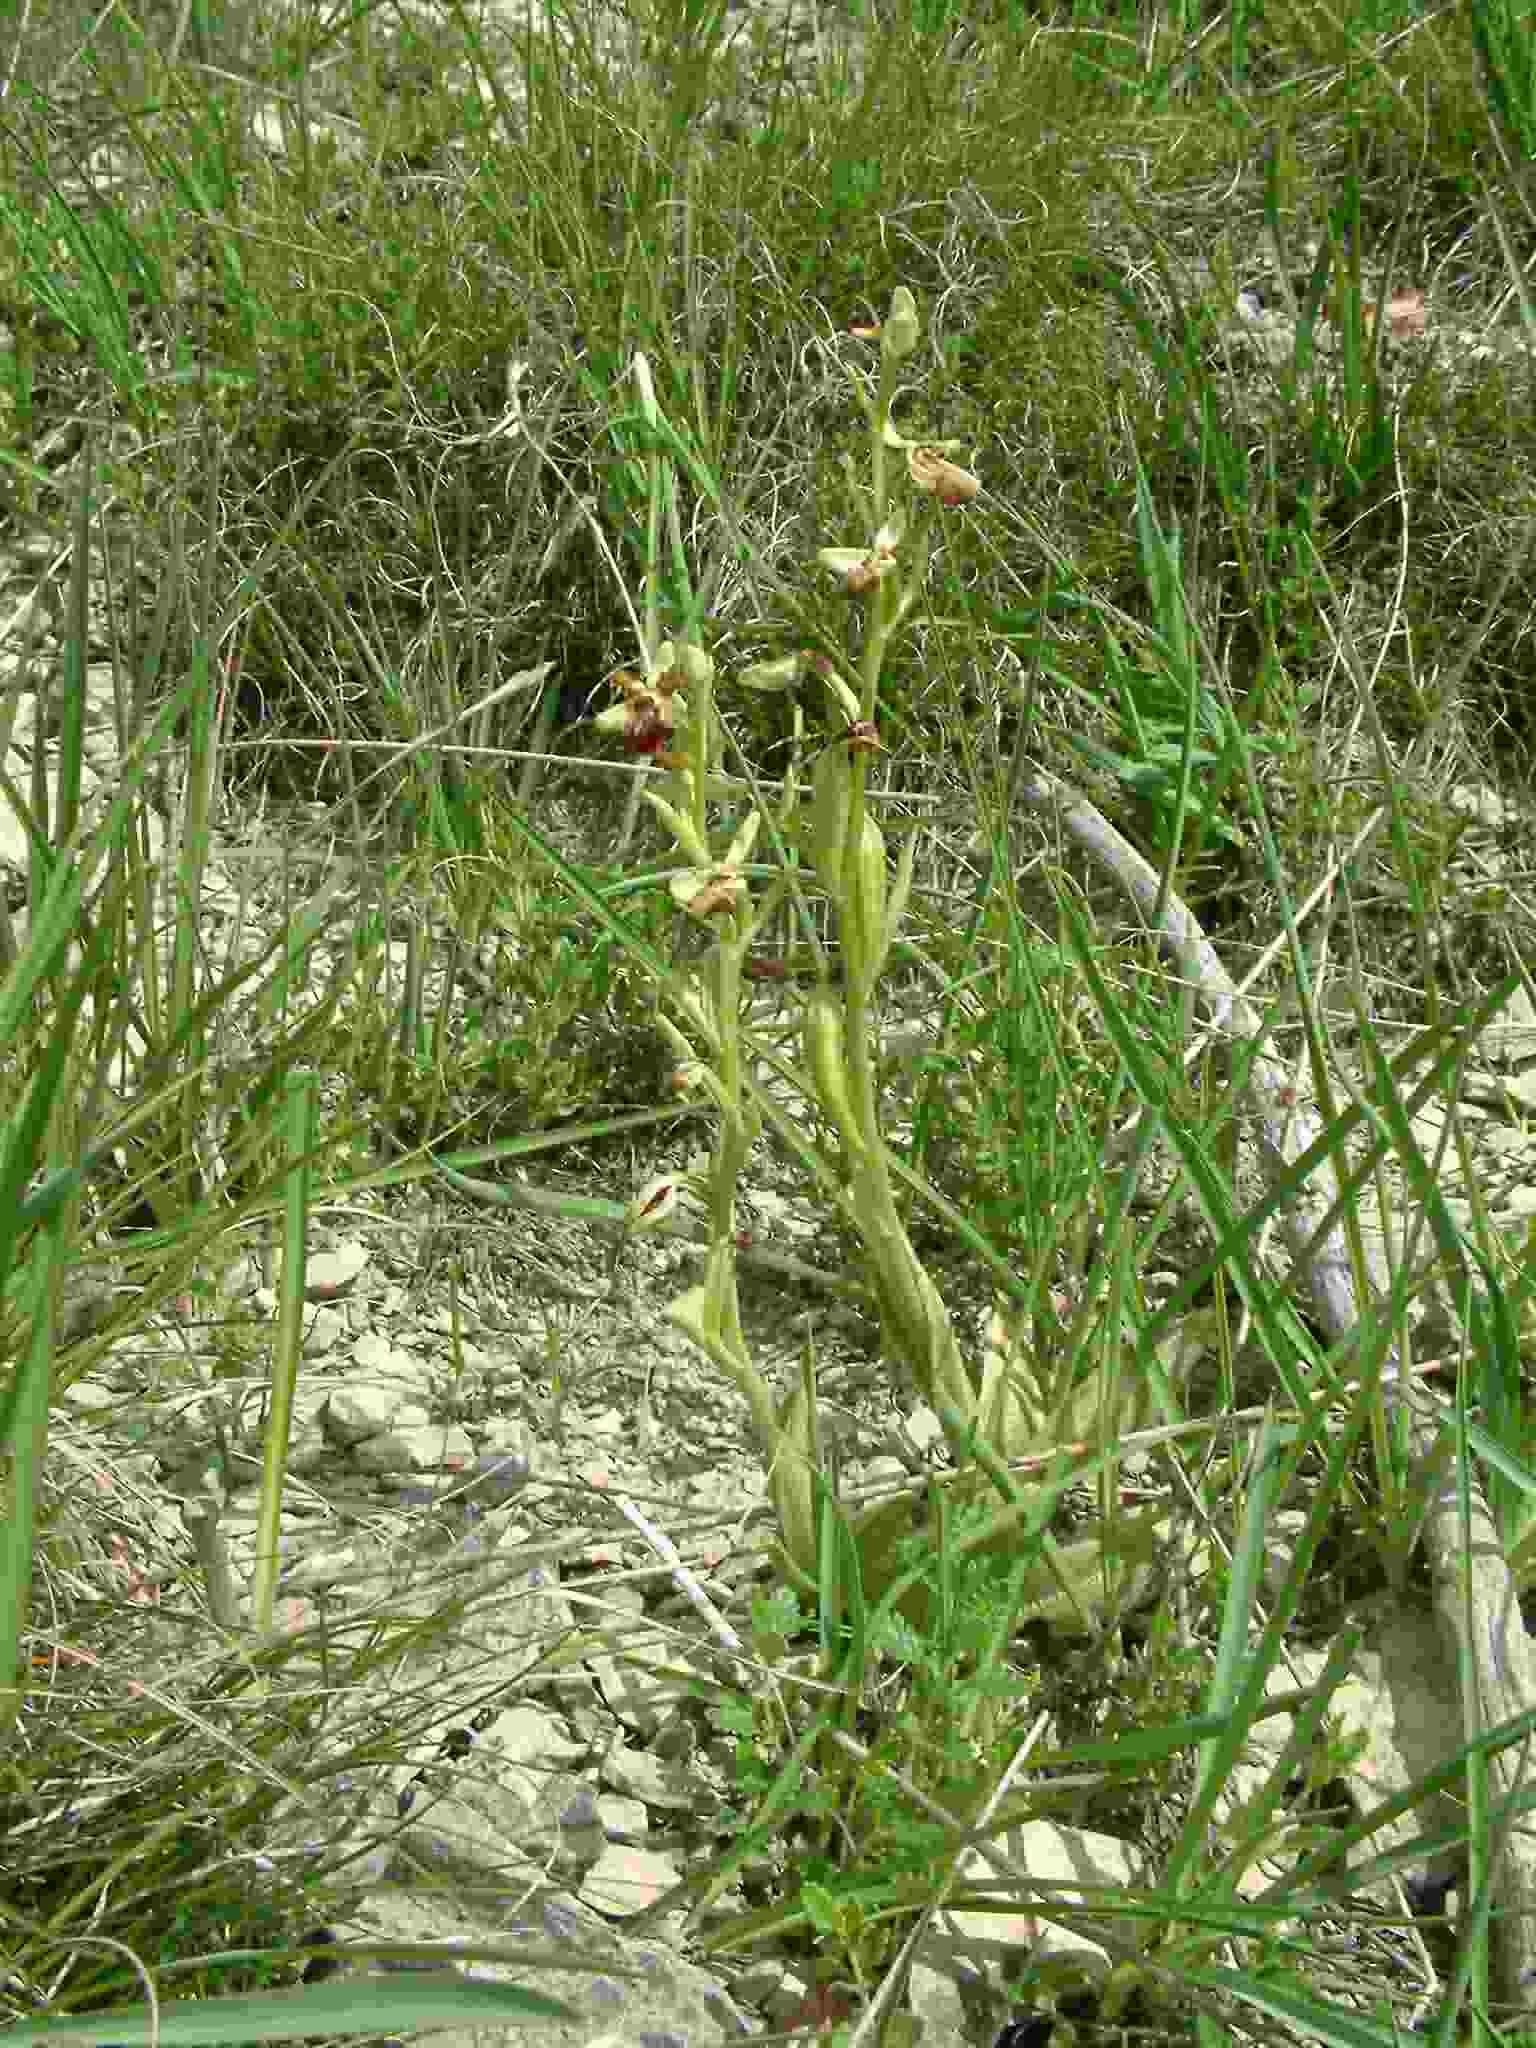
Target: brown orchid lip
[763, 967]
[931, 470]
[859, 736]
[647, 732]
[720, 894]
[865, 575]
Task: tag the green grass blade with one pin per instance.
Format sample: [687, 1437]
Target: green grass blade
[363, 2006]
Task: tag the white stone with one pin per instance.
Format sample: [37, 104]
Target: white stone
[526, 1735]
[786, 2001]
[626, 1880]
[641, 1694]
[376, 1356]
[644, 1777]
[624, 1820]
[333, 1272]
[1067, 1858]
[934, 1997]
[1477, 800]
[922, 1428]
[1512, 1034]
[358, 1412]
[1405, 1700]
[773, 1987]
[320, 1567]
[324, 1329]
[413, 1444]
[96, 1396]
[307, 1448]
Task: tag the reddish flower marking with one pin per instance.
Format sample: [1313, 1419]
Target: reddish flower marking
[859, 736]
[647, 731]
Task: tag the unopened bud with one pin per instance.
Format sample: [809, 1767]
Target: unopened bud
[870, 888]
[822, 1039]
[900, 334]
[829, 817]
[696, 665]
[782, 674]
[682, 829]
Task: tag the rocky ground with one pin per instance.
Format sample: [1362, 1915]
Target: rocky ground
[495, 1420]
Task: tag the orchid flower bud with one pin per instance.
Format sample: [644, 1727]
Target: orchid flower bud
[870, 892]
[841, 695]
[682, 829]
[822, 1041]
[740, 851]
[647, 384]
[687, 656]
[829, 817]
[693, 1077]
[901, 331]
[694, 1003]
[896, 905]
[782, 674]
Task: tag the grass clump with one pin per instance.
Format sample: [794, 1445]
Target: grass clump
[420, 440]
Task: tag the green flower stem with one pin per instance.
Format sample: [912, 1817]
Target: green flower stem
[880, 481]
[733, 1140]
[841, 1067]
[916, 1320]
[732, 1360]
[701, 719]
[917, 1326]
[886, 608]
[886, 617]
